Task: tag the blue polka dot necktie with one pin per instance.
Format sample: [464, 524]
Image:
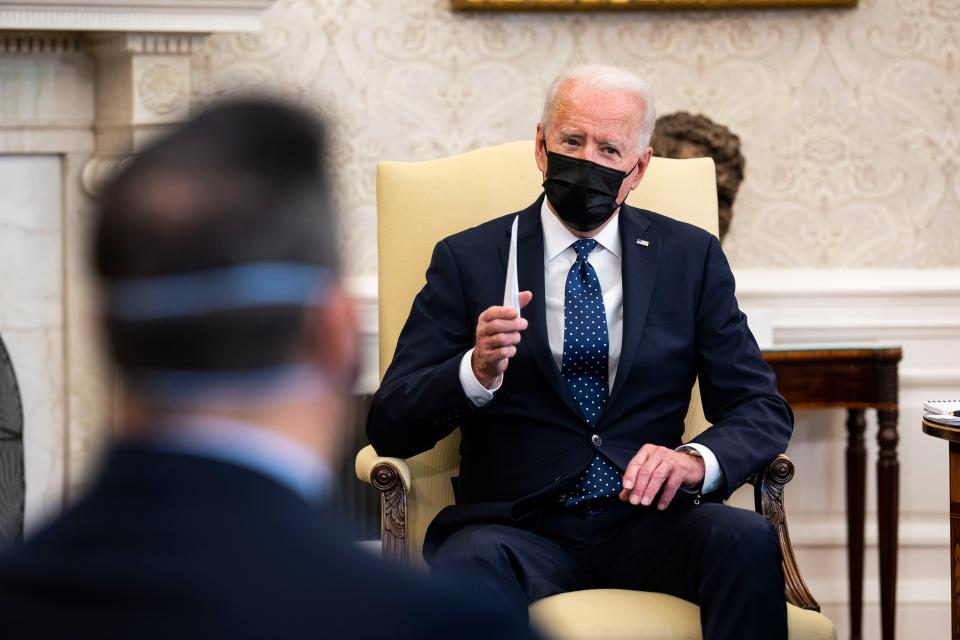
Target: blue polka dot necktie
[585, 366]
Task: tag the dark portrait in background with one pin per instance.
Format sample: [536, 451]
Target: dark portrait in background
[12, 483]
[685, 135]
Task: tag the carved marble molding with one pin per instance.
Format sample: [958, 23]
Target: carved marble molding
[40, 42]
[163, 89]
[105, 45]
[97, 170]
[184, 16]
[143, 87]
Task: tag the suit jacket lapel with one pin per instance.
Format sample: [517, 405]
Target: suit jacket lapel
[530, 276]
[639, 274]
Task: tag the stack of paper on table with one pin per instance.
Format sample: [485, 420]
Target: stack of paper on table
[946, 412]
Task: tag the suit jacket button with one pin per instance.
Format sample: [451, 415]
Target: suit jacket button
[596, 440]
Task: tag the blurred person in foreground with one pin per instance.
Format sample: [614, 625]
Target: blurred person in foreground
[235, 344]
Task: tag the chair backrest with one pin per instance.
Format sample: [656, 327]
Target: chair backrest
[420, 203]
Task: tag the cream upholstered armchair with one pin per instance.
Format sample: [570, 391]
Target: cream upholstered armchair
[420, 203]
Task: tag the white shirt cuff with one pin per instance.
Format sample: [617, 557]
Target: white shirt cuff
[476, 392]
[711, 473]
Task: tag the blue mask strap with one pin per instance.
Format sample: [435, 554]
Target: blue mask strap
[224, 289]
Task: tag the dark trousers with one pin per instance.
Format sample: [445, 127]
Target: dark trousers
[724, 559]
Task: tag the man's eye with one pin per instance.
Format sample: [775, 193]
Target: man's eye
[610, 150]
[572, 142]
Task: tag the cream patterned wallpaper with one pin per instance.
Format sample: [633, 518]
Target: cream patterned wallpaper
[848, 117]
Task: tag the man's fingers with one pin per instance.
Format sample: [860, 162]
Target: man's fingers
[664, 471]
[494, 360]
[493, 327]
[648, 478]
[669, 491]
[652, 470]
[491, 344]
[498, 313]
[498, 334]
[504, 340]
[630, 474]
[503, 353]
[488, 343]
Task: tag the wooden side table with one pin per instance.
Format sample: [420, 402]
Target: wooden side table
[855, 378]
[952, 435]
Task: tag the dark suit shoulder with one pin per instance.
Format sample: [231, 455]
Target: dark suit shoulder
[672, 229]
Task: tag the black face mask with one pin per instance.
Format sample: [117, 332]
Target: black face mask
[583, 193]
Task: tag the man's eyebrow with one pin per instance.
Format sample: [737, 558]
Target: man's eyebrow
[613, 142]
[570, 133]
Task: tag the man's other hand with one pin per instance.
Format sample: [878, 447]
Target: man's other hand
[498, 334]
[654, 467]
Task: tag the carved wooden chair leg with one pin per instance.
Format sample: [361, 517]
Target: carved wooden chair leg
[768, 500]
[393, 509]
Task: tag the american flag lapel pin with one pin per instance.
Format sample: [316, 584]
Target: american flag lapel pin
[643, 243]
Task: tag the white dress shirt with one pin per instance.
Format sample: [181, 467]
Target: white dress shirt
[558, 257]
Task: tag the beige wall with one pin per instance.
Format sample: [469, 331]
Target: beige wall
[848, 117]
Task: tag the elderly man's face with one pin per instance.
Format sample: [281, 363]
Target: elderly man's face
[597, 125]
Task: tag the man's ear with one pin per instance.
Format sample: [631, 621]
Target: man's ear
[332, 339]
[637, 175]
[540, 149]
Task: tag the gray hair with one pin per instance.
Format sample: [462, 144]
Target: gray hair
[603, 76]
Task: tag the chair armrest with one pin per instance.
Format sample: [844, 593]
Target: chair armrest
[768, 501]
[391, 477]
[367, 462]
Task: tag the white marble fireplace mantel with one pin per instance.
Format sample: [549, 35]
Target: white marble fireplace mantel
[181, 16]
[140, 51]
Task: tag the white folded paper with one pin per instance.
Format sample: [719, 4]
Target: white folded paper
[511, 288]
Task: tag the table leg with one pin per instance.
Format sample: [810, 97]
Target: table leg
[856, 506]
[955, 536]
[888, 502]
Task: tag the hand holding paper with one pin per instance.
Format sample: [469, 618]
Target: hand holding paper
[498, 328]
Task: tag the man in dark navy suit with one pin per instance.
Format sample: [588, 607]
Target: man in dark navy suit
[573, 474]
[235, 345]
